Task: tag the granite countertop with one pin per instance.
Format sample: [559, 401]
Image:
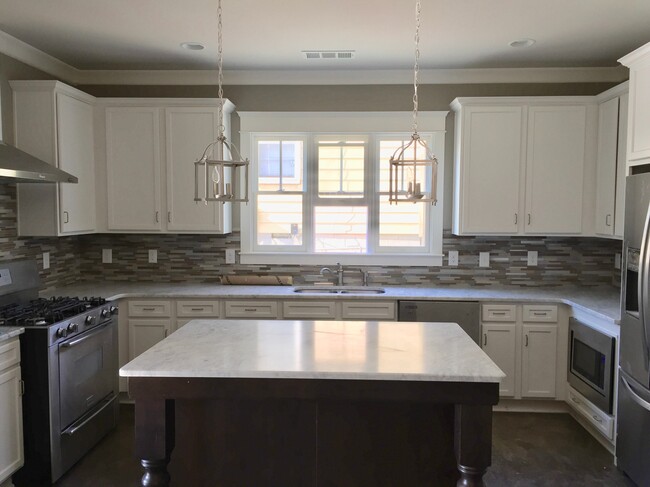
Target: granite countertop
[7, 332]
[602, 301]
[276, 349]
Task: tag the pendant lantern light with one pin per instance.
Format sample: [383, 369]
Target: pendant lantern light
[413, 168]
[221, 164]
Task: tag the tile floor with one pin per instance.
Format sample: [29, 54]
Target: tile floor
[534, 450]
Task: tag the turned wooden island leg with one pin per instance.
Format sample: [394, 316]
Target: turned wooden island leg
[154, 439]
[473, 443]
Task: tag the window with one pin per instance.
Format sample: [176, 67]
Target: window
[322, 197]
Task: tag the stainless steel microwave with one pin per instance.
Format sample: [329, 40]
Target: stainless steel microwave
[591, 364]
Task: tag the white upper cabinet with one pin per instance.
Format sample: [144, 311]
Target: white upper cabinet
[555, 169]
[54, 122]
[638, 139]
[133, 168]
[151, 146]
[519, 165]
[488, 164]
[188, 131]
[610, 162]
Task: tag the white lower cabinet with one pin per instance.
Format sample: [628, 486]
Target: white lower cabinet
[145, 333]
[499, 342]
[523, 341]
[11, 409]
[538, 361]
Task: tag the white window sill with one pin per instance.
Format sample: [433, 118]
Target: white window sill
[401, 260]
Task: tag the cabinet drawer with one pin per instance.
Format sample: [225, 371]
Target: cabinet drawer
[257, 309]
[540, 313]
[368, 310]
[150, 308]
[600, 420]
[197, 309]
[499, 312]
[9, 353]
[323, 310]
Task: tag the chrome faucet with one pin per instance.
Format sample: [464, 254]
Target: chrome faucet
[338, 272]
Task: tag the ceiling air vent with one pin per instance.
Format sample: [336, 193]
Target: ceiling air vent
[328, 54]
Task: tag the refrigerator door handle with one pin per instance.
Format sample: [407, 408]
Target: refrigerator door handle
[644, 300]
[635, 397]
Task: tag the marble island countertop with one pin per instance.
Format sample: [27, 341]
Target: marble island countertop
[317, 350]
[7, 332]
[602, 301]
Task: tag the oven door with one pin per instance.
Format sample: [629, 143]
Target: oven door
[591, 364]
[87, 371]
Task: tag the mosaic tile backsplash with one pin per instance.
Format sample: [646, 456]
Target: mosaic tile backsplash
[201, 258]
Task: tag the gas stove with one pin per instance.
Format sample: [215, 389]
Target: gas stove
[60, 317]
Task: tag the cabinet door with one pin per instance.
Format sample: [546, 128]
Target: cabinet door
[606, 166]
[188, 132]
[621, 166]
[133, 168]
[11, 423]
[491, 160]
[554, 169]
[144, 334]
[539, 358]
[76, 156]
[638, 146]
[500, 344]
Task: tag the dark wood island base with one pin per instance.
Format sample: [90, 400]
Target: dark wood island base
[312, 432]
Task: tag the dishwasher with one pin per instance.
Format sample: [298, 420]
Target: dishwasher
[465, 313]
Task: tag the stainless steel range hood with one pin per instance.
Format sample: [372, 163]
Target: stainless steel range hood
[19, 166]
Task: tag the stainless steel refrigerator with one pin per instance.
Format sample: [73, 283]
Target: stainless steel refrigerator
[633, 416]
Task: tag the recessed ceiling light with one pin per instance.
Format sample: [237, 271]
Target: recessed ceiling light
[522, 43]
[192, 46]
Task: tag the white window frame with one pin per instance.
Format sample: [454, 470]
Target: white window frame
[379, 126]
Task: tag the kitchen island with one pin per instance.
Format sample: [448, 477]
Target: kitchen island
[313, 403]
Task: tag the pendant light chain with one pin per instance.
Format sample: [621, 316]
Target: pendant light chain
[416, 67]
[221, 128]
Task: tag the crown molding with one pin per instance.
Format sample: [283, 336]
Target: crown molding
[36, 58]
[21, 51]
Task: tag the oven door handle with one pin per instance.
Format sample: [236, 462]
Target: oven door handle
[635, 397]
[77, 426]
[97, 330]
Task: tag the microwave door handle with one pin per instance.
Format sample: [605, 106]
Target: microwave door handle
[644, 299]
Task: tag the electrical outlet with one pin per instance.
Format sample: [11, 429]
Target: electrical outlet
[484, 259]
[153, 256]
[532, 258]
[46, 260]
[617, 261]
[452, 258]
[230, 256]
[107, 256]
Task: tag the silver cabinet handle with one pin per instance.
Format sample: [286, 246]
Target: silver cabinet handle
[484, 339]
[157, 217]
[166, 331]
[148, 309]
[607, 222]
[67, 217]
[576, 401]
[526, 340]
[169, 217]
[529, 218]
[198, 309]
[499, 313]
[597, 418]
[516, 218]
[250, 310]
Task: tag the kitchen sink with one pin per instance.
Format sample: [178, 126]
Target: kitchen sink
[338, 290]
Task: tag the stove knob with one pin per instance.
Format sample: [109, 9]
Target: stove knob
[104, 313]
[61, 333]
[113, 310]
[90, 320]
[72, 327]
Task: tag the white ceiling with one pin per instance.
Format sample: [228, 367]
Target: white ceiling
[270, 34]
